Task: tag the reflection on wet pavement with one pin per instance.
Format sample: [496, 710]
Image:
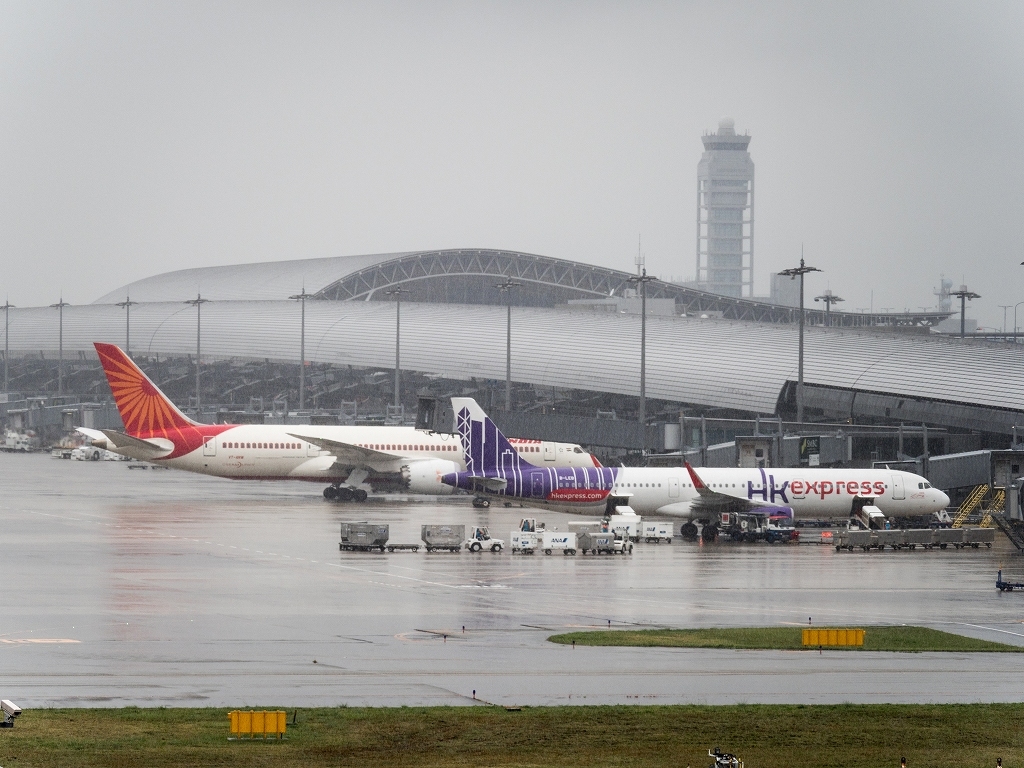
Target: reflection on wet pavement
[162, 588]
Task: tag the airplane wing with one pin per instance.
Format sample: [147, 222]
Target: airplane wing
[347, 453]
[712, 500]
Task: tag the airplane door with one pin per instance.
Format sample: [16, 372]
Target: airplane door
[312, 450]
[897, 487]
[549, 452]
[538, 486]
[673, 487]
[210, 446]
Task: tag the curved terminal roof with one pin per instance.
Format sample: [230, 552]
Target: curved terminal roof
[706, 362]
[459, 276]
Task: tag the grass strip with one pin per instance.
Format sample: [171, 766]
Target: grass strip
[901, 639]
[850, 736]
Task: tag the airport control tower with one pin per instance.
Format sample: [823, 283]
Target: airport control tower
[725, 213]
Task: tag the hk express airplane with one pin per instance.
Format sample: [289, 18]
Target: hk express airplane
[400, 459]
[494, 467]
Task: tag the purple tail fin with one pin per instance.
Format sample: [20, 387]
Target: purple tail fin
[487, 452]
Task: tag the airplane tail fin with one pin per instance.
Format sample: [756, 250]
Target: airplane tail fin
[145, 410]
[486, 450]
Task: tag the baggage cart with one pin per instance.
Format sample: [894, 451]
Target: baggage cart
[524, 542]
[853, 538]
[975, 537]
[656, 532]
[943, 537]
[403, 547]
[443, 537]
[890, 538]
[919, 537]
[558, 541]
[363, 536]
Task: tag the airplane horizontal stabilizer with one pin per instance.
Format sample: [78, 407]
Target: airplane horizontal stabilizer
[136, 447]
[488, 483]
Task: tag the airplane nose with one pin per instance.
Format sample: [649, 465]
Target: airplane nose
[944, 499]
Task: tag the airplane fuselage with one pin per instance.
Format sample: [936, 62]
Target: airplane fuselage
[670, 491]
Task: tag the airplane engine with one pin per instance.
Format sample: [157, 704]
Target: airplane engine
[425, 476]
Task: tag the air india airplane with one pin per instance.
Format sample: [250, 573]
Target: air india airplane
[349, 458]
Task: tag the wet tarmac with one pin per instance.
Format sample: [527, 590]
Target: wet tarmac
[154, 587]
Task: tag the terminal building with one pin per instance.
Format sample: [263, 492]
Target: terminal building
[717, 366]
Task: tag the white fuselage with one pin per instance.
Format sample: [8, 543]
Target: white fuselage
[273, 452]
[810, 492]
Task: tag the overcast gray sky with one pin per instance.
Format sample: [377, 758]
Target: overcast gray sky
[140, 137]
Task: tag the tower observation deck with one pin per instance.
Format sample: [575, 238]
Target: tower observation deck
[725, 213]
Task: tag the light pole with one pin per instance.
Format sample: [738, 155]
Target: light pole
[793, 273]
[1004, 308]
[506, 286]
[829, 298]
[59, 306]
[397, 293]
[7, 344]
[1015, 320]
[963, 294]
[127, 304]
[198, 302]
[642, 280]
[301, 298]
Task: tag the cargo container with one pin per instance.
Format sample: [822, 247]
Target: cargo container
[443, 537]
[975, 537]
[625, 522]
[524, 542]
[919, 537]
[558, 541]
[363, 536]
[943, 537]
[656, 532]
[893, 538]
[853, 538]
[603, 544]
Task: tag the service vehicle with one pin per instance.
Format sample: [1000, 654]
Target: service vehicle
[480, 539]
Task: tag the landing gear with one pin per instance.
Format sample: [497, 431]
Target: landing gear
[344, 493]
[688, 531]
[481, 503]
[709, 533]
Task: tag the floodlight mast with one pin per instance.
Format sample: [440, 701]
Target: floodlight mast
[642, 280]
[829, 298]
[7, 343]
[127, 304]
[198, 302]
[397, 293]
[793, 273]
[965, 295]
[506, 286]
[59, 306]
[301, 298]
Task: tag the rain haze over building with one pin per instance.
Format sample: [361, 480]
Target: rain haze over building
[725, 213]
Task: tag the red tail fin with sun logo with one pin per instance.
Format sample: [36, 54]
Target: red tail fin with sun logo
[145, 410]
